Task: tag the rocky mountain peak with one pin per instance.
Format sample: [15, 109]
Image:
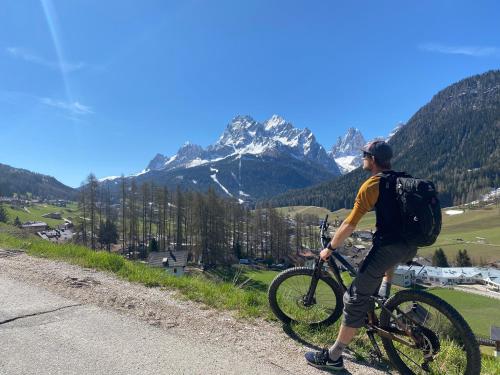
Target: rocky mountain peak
[275, 122]
[157, 163]
[349, 144]
[244, 135]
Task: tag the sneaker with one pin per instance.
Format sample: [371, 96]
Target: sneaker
[322, 360]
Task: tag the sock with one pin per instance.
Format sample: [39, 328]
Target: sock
[385, 289]
[336, 350]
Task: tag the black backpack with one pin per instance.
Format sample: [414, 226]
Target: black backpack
[419, 208]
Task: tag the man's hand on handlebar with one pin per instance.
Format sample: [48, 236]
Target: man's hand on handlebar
[325, 254]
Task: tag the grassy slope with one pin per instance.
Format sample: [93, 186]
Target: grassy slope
[480, 312]
[467, 226]
[249, 300]
[37, 211]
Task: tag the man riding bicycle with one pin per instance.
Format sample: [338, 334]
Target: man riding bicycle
[388, 249]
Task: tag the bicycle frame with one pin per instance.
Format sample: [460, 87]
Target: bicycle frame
[372, 324]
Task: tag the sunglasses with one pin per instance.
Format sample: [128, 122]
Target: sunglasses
[366, 155]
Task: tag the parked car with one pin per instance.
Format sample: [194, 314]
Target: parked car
[245, 261]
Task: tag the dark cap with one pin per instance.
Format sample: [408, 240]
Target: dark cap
[380, 149]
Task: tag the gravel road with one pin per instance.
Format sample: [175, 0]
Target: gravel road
[57, 318]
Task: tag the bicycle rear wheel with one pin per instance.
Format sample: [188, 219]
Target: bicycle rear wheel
[444, 337]
[287, 295]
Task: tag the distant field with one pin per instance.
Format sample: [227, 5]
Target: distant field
[484, 223]
[37, 211]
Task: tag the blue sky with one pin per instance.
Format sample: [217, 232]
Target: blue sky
[102, 86]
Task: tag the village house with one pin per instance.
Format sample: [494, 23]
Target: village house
[404, 277]
[53, 215]
[56, 235]
[34, 226]
[174, 262]
[363, 235]
[304, 258]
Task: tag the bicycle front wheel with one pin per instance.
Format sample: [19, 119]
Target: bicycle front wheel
[444, 342]
[287, 298]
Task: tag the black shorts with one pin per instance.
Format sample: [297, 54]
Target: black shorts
[381, 258]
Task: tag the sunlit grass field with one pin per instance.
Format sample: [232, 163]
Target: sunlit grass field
[36, 212]
[458, 231]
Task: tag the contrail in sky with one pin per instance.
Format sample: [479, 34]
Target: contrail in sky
[51, 17]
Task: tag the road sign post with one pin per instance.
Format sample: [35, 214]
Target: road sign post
[495, 336]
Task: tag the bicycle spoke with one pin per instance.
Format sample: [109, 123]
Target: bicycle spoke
[407, 357]
[291, 299]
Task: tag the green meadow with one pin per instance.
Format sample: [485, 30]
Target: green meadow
[458, 231]
[36, 212]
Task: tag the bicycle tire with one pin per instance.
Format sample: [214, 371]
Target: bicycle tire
[467, 337]
[308, 272]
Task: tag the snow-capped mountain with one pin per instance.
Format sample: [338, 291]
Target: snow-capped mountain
[245, 136]
[250, 160]
[346, 151]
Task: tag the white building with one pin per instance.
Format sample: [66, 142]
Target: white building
[455, 275]
[403, 277]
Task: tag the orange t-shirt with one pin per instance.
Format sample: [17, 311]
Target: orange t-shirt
[365, 200]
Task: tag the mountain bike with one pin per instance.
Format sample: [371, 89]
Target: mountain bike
[419, 331]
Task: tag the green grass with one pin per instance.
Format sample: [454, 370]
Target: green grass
[220, 295]
[37, 211]
[480, 312]
[467, 226]
[221, 289]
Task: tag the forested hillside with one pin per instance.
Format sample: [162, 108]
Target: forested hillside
[24, 182]
[453, 140]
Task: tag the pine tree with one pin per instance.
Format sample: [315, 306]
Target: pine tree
[123, 211]
[462, 259]
[92, 207]
[439, 258]
[4, 217]
[17, 222]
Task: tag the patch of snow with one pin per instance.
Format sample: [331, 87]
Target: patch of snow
[241, 201]
[253, 148]
[171, 159]
[214, 170]
[244, 194]
[110, 178]
[194, 182]
[196, 162]
[214, 178]
[287, 142]
[346, 163]
[141, 172]
[274, 121]
[454, 212]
